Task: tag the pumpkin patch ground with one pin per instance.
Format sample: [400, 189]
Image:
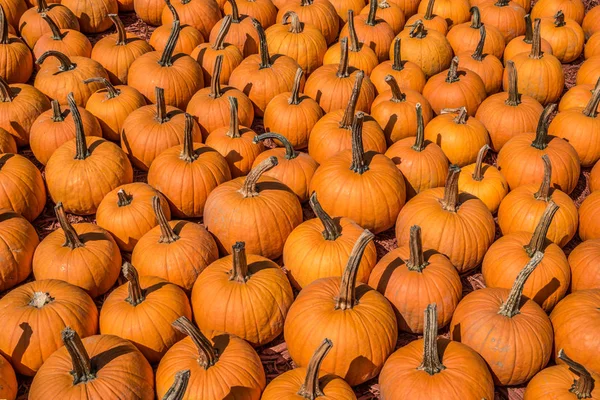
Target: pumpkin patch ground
[365, 164]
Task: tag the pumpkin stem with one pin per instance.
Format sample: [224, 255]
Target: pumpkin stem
[536, 44]
[187, 151]
[397, 64]
[559, 19]
[429, 11]
[57, 115]
[478, 54]
[591, 109]
[82, 365]
[295, 24]
[514, 98]
[461, 117]
[135, 291]
[397, 95]
[348, 117]
[161, 106]
[431, 359]
[56, 33]
[290, 153]
[528, 30]
[295, 96]
[354, 43]
[475, 18]
[420, 139]
[40, 299]
[234, 121]
[123, 199]
[65, 62]
[346, 299]
[453, 71]
[3, 27]
[541, 134]
[358, 164]
[6, 95]
[331, 231]
[121, 33]
[418, 30]
[510, 307]
[72, 240]
[416, 262]
[235, 13]
[583, 386]
[310, 388]
[543, 192]
[111, 91]
[538, 239]
[263, 49]
[206, 351]
[215, 81]
[179, 386]
[450, 200]
[249, 187]
[42, 6]
[223, 30]
[305, 3]
[81, 152]
[478, 171]
[166, 60]
[167, 234]
[502, 3]
[343, 66]
[372, 17]
[239, 272]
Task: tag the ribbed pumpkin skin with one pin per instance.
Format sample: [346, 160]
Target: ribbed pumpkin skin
[573, 9]
[588, 72]
[342, 7]
[18, 240]
[378, 37]
[591, 22]
[117, 59]
[555, 382]
[313, 317]
[491, 189]
[432, 53]
[573, 318]
[514, 348]
[576, 97]
[18, 113]
[41, 327]
[32, 26]
[410, 77]
[595, 177]
[8, 380]
[206, 56]
[566, 41]
[464, 38]
[242, 35]
[584, 261]
[238, 371]
[22, 187]
[589, 217]
[124, 370]
[543, 79]
[518, 46]
[262, 10]
[13, 11]
[149, 11]
[189, 38]
[437, 23]
[286, 386]
[201, 14]
[7, 142]
[508, 19]
[581, 131]
[240, 153]
[455, 12]
[489, 69]
[469, 91]
[16, 62]
[400, 375]
[319, 13]
[391, 13]
[152, 333]
[73, 43]
[363, 59]
[92, 14]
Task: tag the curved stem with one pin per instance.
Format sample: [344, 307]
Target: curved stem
[478, 54]
[290, 153]
[354, 43]
[239, 271]
[348, 117]
[397, 95]
[295, 24]
[234, 121]
[310, 388]
[536, 44]
[431, 359]
[453, 71]
[478, 171]
[429, 11]
[591, 109]
[167, 234]
[462, 116]
[416, 262]
[65, 62]
[249, 187]
[215, 81]
[343, 66]
[206, 351]
[559, 19]
[418, 30]
[72, 240]
[544, 191]
[3, 27]
[528, 30]
[56, 33]
[397, 64]
[538, 239]
[510, 307]
[187, 151]
[358, 164]
[82, 151]
[235, 13]
[57, 114]
[6, 95]
[123, 199]
[372, 17]
[223, 30]
[583, 386]
[82, 364]
[263, 49]
[135, 292]
[295, 96]
[420, 139]
[331, 231]
[179, 386]
[346, 299]
[161, 105]
[42, 6]
[450, 200]
[475, 18]
[514, 98]
[111, 91]
[121, 33]
[541, 134]
[166, 60]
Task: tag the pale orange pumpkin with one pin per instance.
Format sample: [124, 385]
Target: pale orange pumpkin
[408, 75]
[19, 240]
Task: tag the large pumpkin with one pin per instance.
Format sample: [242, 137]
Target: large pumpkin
[584, 261]
[18, 241]
[564, 35]
[408, 74]
[21, 186]
[465, 37]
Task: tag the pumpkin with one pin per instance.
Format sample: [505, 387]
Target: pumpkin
[573, 319]
[34, 313]
[572, 9]
[55, 127]
[149, 11]
[125, 5]
[330, 240]
[455, 88]
[506, 15]
[441, 368]
[8, 380]
[19, 240]
[410, 7]
[524, 43]
[152, 129]
[238, 199]
[293, 115]
[96, 367]
[508, 114]
[595, 177]
[189, 37]
[364, 177]
[592, 47]
[570, 381]
[487, 66]
[202, 15]
[118, 51]
[343, 6]
[294, 169]
[16, 63]
[588, 217]
[588, 73]
[430, 20]
[242, 294]
[14, 10]
[394, 110]
[7, 142]
[424, 277]
[429, 49]
[581, 128]
[261, 10]
[218, 366]
[319, 13]
[584, 261]
[564, 35]
[92, 14]
[455, 12]
[235, 143]
[32, 26]
[445, 215]
[112, 105]
[85, 162]
[56, 79]
[156, 69]
[152, 303]
[187, 173]
[422, 163]
[70, 42]
[522, 208]
[541, 74]
[591, 22]
[347, 312]
[459, 136]
[22, 186]
[262, 77]
[241, 33]
[390, 13]
[408, 75]
[360, 56]
[465, 37]
[309, 382]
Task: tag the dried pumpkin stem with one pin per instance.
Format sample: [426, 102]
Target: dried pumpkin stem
[372, 17]
[352, 36]
[82, 365]
[418, 30]
[295, 96]
[591, 109]
[305, 3]
[263, 49]
[42, 6]
[3, 27]
[235, 13]
[429, 11]
[431, 358]
[453, 71]
[538, 239]
[420, 139]
[167, 234]
[65, 62]
[478, 53]
[343, 67]
[536, 43]
[123, 199]
[249, 187]
[295, 24]
[346, 299]
[135, 292]
[179, 386]
[543, 192]
[310, 389]
[416, 262]
[583, 386]
[331, 231]
[6, 95]
[502, 3]
[234, 121]
[510, 307]
[206, 351]
[166, 60]
[215, 80]
[450, 200]
[461, 117]
[219, 43]
[559, 19]
[57, 115]
[514, 98]
[541, 134]
[161, 105]
[290, 153]
[475, 18]
[81, 150]
[358, 164]
[72, 240]
[348, 117]
[478, 171]
[187, 151]
[54, 29]
[239, 270]
[397, 64]
[528, 30]
[111, 91]
[121, 33]
[397, 95]
[40, 299]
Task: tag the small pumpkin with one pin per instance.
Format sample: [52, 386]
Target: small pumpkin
[8, 380]
[489, 68]
[241, 32]
[465, 37]
[202, 15]
[506, 15]
[524, 43]
[32, 26]
[564, 35]
[573, 9]
[408, 75]
[429, 19]
[70, 42]
[589, 217]
[19, 240]
[16, 62]
[320, 13]
[390, 13]
[149, 11]
[584, 261]
[455, 12]
[92, 14]
[591, 22]
[264, 11]
[22, 187]
[189, 37]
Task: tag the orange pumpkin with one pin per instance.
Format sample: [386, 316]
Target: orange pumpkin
[189, 37]
[149, 11]
[455, 12]
[589, 71]
[589, 217]
[241, 33]
[16, 63]
[487, 66]
[67, 41]
[202, 15]
[320, 13]
[584, 261]
[430, 20]
[264, 11]
[573, 9]
[390, 13]
[8, 380]
[564, 35]
[465, 37]
[22, 187]
[524, 43]
[595, 177]
[408, 75]
[32, 26]
[410, 7]
[7, 142]
[92, 14]
[506, 15]
[591, 22]
[343, 6]
[19, 240]
[592, 47]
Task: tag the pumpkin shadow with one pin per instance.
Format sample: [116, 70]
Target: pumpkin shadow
[154, 288]
[100, 360]
[93, 146]
[179, 226]
[92, 237]
[5, 216]
[455, 333]
[4, 159]
[548, 290]
[360, 367]
[22, 344]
